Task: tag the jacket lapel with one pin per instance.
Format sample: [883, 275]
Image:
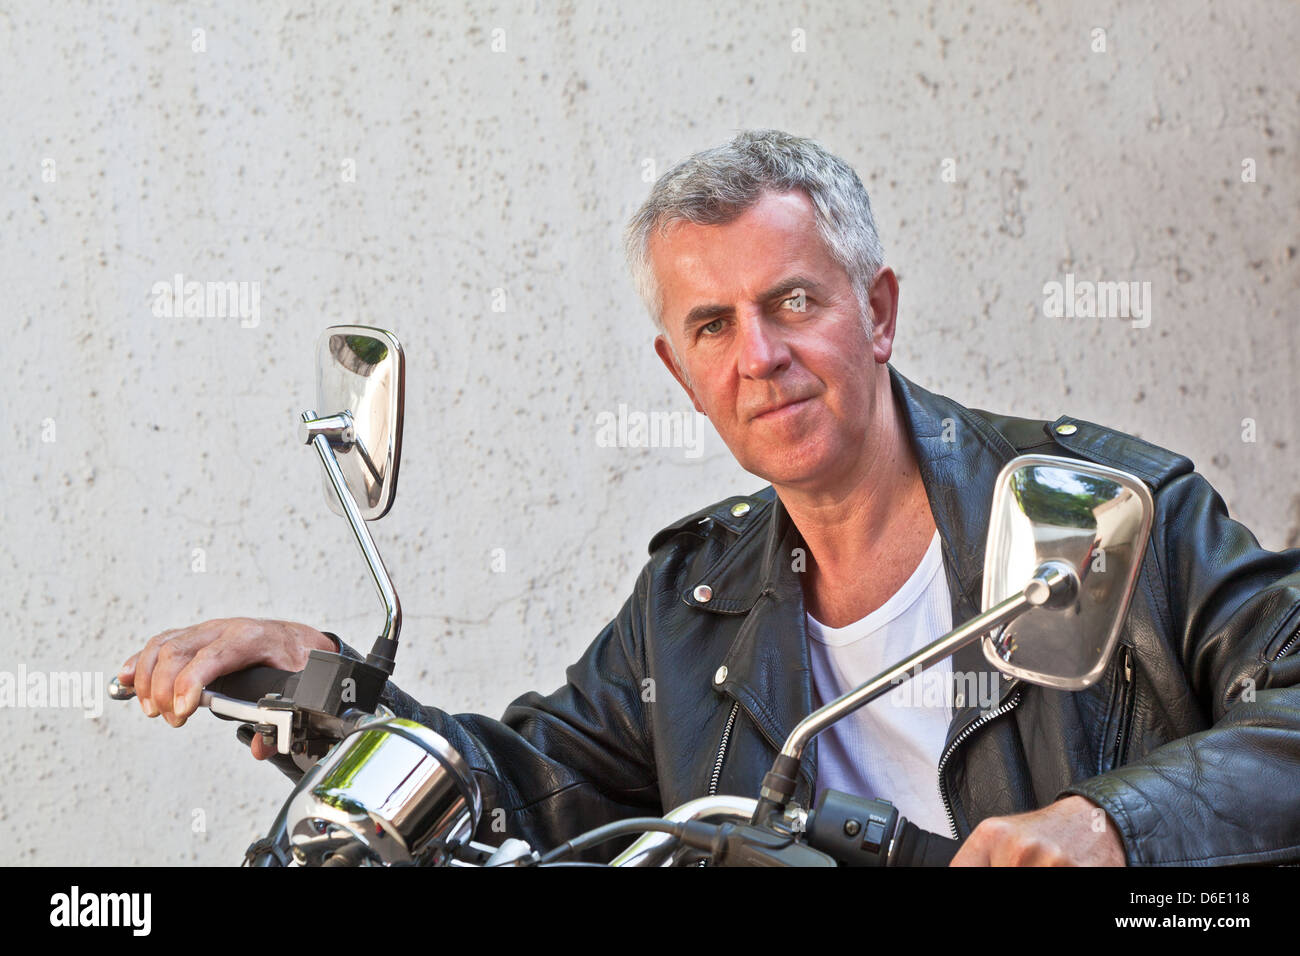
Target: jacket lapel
[767, 665]
[960, 456]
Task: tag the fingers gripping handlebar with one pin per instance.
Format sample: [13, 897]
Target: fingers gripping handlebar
[236, 696]
[251, 684]
[301, 713]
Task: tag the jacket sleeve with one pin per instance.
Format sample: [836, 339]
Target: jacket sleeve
[1230, 793]
[557, 765]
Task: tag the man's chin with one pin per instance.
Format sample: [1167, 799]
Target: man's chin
[797, 471]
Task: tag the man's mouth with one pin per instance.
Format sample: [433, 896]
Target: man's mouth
[772, 411]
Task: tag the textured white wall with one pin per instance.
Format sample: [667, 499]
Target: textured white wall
[478, 170]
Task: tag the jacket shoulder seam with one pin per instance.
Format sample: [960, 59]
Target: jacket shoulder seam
[1153, 464]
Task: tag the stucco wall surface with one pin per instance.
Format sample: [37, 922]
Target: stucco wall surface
[460, 173]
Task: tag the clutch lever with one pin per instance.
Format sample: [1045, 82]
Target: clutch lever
[231, 708]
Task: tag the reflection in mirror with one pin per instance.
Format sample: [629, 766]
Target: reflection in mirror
[1094, 519]
[360, 371]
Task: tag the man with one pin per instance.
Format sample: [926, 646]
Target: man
[760, 263]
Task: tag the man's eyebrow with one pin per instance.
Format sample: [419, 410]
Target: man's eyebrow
[707, 313]
[704, 313]
[786, 286]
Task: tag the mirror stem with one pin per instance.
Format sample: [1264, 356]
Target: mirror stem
[316, 432]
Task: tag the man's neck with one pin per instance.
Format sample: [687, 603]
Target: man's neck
[866, 535]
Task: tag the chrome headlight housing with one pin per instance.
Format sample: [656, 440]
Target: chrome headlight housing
[393, 785]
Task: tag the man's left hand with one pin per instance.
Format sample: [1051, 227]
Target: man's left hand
[1073, 831]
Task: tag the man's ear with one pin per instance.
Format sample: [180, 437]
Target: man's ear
[665, 353]
[883, 298]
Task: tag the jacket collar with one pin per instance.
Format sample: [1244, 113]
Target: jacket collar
[767, 665]
[960, 456]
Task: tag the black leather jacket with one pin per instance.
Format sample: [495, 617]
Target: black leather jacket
[1190, 741]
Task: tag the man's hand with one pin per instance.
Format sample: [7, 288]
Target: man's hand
[1073, 831]
[170, 672]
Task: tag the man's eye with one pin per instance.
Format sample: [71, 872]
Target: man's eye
[800, 303]
[713, 328]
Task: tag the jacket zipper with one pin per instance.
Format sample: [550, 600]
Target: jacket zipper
[1287, 646]
[722, 755]
[952, 748]
[722, 750]
[1126, 701]
[1292, 616]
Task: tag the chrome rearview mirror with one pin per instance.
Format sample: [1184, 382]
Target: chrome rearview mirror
[360, 378]
[1091, 521]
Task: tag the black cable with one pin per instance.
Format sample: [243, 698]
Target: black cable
[609, 832]
[656, 855]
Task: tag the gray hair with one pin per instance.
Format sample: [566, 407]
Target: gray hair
[718, 185]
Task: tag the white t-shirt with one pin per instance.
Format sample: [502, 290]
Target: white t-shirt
[890, 748]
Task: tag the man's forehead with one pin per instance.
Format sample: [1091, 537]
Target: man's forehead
[775, 237]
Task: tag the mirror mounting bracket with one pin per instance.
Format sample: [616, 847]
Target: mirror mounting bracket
[339, 430]
[324, 434]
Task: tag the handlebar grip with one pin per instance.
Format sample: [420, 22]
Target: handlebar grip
[253, 683]
[917, 847]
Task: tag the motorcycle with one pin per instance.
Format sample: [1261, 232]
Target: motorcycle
[1064, 546]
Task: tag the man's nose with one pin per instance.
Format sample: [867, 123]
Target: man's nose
[763, 351]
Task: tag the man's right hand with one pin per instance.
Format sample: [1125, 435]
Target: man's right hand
[172, 669]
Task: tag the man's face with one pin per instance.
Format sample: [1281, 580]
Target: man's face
[792, 393]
